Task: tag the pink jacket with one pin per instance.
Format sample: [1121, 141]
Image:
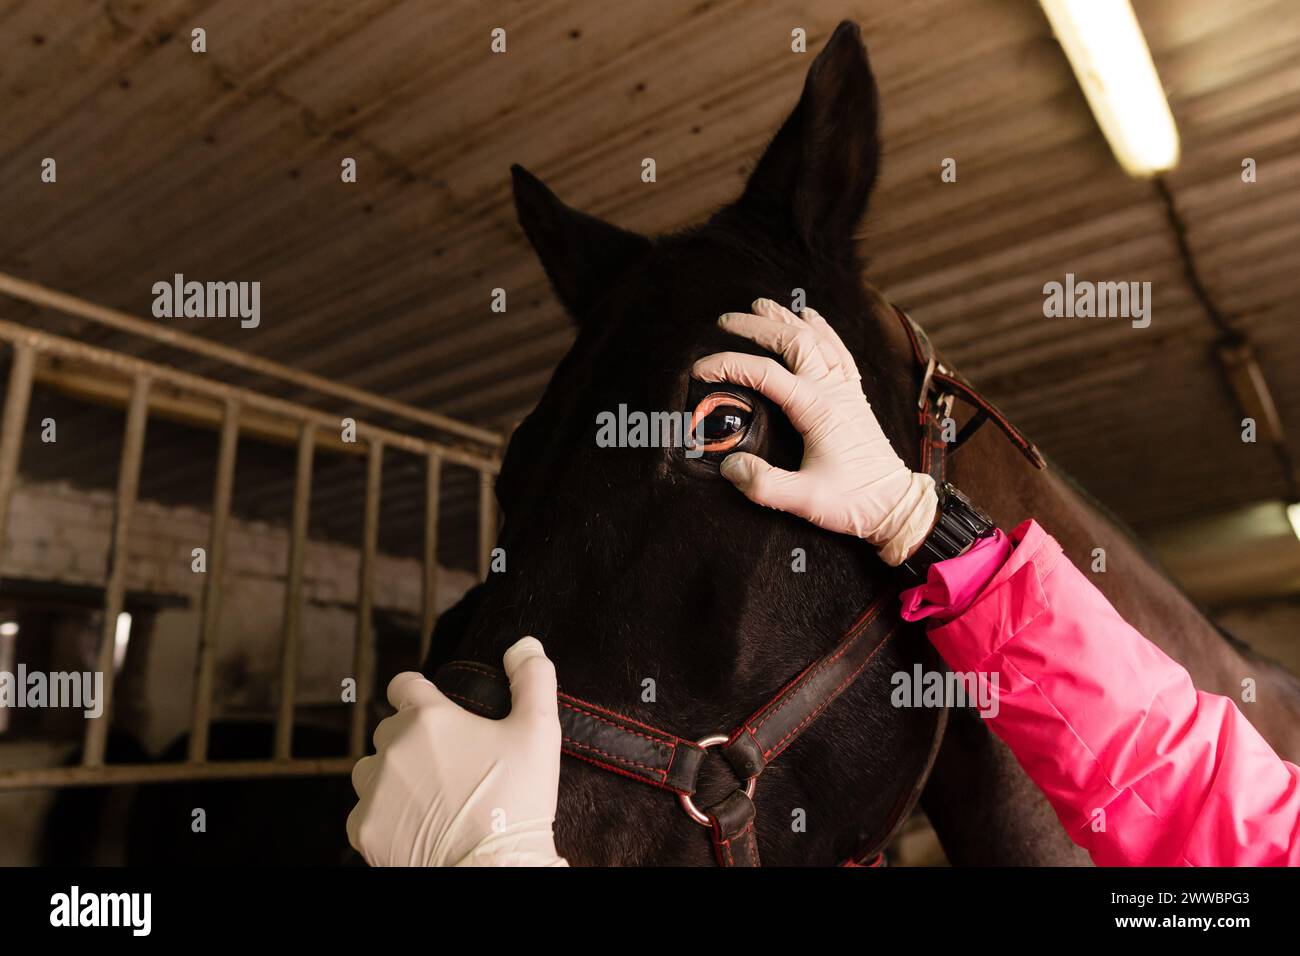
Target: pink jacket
[1140, 766]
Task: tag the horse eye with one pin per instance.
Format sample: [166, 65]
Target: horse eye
[721, 420]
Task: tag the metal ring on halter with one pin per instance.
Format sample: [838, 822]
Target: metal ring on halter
[694, 812]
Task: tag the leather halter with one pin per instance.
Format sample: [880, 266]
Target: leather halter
[638, 751]
[940, 386]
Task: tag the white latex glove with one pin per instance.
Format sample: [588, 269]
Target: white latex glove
[450, 788]
[851, 480]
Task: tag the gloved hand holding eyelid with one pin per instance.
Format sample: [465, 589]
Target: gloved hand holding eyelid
[851, 480]
[449, 788]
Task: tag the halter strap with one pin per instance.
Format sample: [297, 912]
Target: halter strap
[603, 737]
[631, 748]
[940, 385]
[774, 726]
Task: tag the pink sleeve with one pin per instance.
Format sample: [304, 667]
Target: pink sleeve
[1102, 720]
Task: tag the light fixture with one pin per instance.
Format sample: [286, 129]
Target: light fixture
[9, 629]
[1113, 65]
[121, 638]
[1293, 516]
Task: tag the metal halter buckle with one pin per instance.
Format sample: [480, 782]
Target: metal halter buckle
[926, 379]
[694, 812]
[943, 407]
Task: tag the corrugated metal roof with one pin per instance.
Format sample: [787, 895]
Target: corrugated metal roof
[226, 165]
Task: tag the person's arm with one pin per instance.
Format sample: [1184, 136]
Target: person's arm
[1140, 766]
[1098, 716]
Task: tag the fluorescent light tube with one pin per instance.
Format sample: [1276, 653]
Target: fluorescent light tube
[1113, 65]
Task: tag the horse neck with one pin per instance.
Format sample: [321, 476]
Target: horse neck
[1133, 582]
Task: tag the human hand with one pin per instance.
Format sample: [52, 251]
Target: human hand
[851, 480]
[447, 787]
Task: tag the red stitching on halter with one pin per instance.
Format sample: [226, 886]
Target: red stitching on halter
[777, 748]
[877, 860]
[776, 704]
[619, 721]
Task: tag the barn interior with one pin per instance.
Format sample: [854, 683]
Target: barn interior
[377, 306]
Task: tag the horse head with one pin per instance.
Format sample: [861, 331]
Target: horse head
[659, 591]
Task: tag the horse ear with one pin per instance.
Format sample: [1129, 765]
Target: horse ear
[818, 172]
[582, 255]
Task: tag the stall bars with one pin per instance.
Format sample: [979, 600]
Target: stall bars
[477, 448]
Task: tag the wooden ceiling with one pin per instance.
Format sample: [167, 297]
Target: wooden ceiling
[226, 165]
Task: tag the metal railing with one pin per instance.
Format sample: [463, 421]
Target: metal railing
[241, 410]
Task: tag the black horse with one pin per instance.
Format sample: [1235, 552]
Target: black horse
[662, 593]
